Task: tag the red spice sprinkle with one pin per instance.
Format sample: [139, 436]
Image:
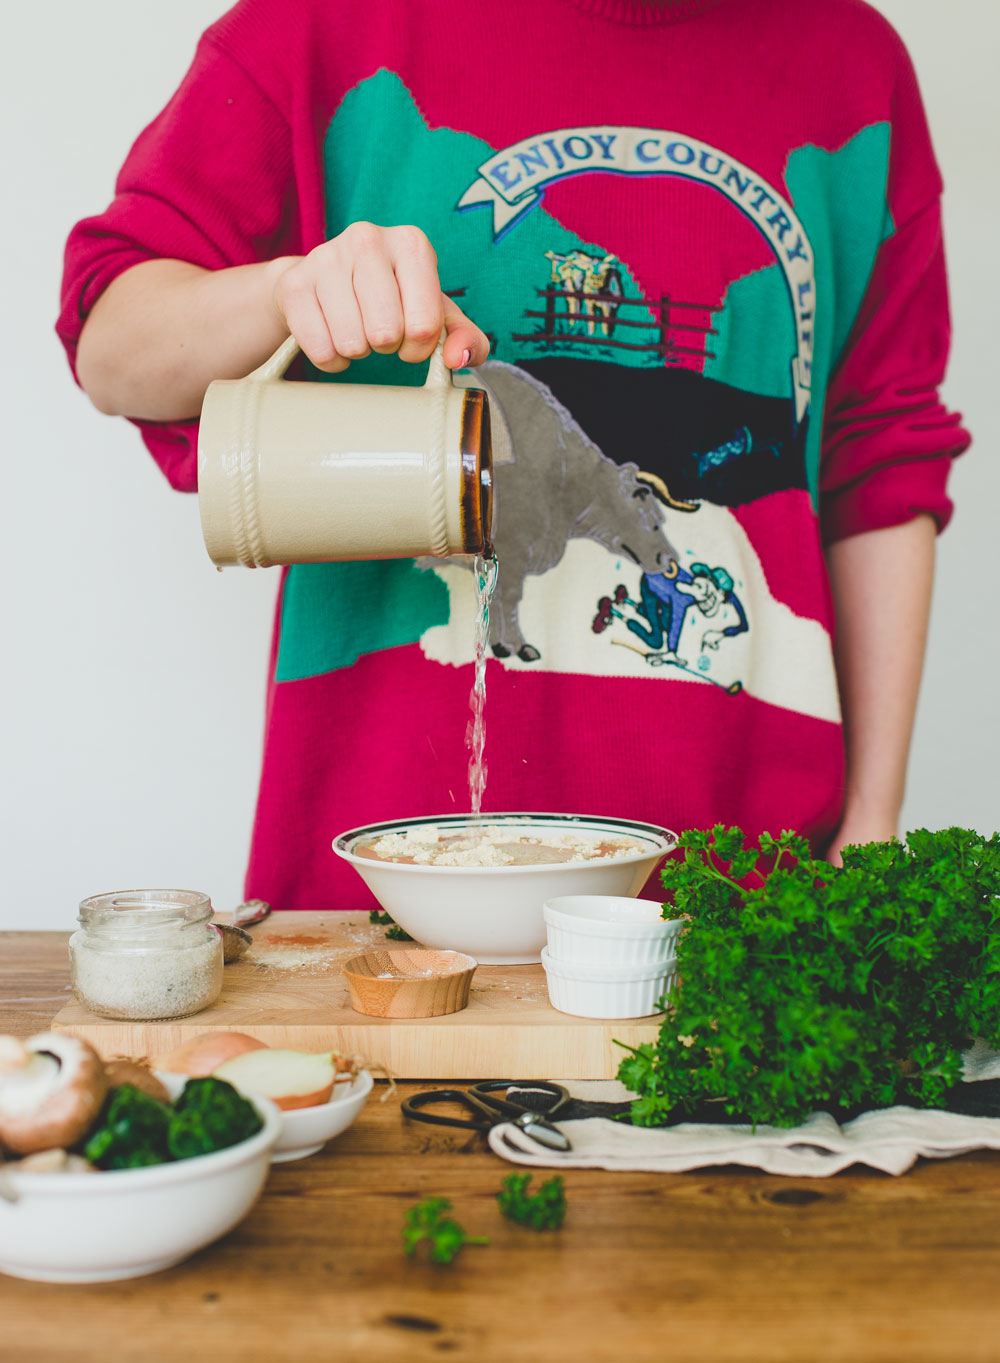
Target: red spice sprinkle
[295, 939]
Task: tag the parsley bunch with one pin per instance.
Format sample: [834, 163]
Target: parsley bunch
[820, 986]
[427, 1221]
[543, 1210]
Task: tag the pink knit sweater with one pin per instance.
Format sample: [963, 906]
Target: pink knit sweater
[704, 237]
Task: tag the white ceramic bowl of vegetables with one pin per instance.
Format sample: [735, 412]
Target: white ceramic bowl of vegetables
[99, 1226]
[494, 912]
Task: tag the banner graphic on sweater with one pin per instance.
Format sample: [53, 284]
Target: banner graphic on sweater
[513, 181]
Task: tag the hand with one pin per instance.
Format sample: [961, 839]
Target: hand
[374, 288]
[860, 829]
[711, 639]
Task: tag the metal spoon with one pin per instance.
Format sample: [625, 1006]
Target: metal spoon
[235, 938]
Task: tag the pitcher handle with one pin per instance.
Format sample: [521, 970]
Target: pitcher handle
[278, 363]
[438, 373]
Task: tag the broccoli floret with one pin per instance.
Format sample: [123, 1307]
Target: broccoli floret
[131, 1131]
[209, 1115]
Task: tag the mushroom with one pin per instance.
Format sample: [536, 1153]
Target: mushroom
[138, 1073]
[52, 1162]
[51, 1090]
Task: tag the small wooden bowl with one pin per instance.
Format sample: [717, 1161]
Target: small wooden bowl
[409, 983]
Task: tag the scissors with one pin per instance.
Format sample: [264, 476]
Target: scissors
[488, 1109]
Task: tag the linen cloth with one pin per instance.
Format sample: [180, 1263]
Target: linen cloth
[888, 1139]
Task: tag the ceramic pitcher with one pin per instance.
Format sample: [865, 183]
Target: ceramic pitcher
[296, 472]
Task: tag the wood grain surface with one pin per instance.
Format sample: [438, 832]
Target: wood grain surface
[289, 990]
[719, 1266]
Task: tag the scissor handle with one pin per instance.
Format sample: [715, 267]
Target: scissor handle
[487, 1090]
[483, 1116]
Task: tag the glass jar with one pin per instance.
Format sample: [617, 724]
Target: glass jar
[146, 955]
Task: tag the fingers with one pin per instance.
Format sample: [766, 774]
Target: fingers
[374, 288]
[342, 315]
[419, 291]
[296, 299]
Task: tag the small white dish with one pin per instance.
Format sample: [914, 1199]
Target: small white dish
[124, 1223]
[305, 1130]
[591, 991]
[494, 913]
[609, 930]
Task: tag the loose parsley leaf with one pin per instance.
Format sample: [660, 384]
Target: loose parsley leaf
[427, 1221]
[543, 1210]
[816, 986]
[394, 932]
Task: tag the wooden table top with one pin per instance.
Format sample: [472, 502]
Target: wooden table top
[712, 1266]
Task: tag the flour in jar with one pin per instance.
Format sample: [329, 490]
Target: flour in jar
[493, 845]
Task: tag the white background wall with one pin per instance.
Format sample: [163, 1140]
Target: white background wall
[133, 673]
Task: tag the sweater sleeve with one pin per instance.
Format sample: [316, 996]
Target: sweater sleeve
[210, 182]
[888, 441]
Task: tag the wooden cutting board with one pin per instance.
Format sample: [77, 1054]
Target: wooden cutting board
[289, 991]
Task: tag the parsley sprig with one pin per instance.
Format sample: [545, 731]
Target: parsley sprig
[543, 1210]
[816, 986]
[393, 931]
[428, 1221]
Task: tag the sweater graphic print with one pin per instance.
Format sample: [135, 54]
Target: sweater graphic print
[632, 418]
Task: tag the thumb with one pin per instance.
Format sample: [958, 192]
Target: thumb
[462, 336]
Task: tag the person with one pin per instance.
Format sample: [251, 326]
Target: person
[657, 221]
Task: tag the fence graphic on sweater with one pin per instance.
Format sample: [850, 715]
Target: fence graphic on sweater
[585, 304]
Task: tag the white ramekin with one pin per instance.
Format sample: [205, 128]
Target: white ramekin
[600, 929]
[590, 991]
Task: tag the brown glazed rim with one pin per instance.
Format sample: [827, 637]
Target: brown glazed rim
[477, 474]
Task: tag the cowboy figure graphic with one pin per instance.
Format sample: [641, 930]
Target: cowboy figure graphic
[665, 599]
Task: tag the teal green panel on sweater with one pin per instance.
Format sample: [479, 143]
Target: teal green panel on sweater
[840, 197]
[340, 610]
[420, 179]
[329, 617]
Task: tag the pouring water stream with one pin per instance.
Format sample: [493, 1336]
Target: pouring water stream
[484, 571]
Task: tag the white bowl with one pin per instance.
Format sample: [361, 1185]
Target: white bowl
[494, 913]
[305, 1130]
[590, 991]
[604, 929]
[123, 1223]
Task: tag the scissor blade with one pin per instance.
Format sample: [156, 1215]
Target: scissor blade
[543, 1132]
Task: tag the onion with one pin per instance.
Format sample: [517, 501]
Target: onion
[291, 1079]
[206, 1052]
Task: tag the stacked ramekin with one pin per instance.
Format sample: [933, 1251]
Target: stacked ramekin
[608, 957]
